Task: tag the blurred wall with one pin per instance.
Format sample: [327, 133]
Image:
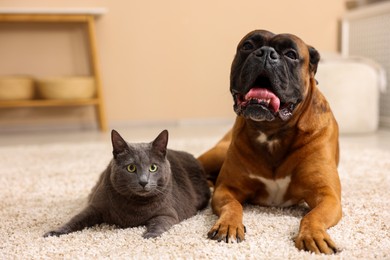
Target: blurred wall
[160, 60]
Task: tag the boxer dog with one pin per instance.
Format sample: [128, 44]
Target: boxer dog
[283, 148]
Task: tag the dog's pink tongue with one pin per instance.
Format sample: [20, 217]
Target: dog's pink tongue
[262, 93]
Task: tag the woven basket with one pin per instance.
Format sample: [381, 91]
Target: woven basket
[16, 88]
[66, 88]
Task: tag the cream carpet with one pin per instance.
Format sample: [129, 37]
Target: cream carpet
[43, 186]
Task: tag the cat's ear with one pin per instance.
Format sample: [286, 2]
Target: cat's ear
[119, 145]
[160, 143]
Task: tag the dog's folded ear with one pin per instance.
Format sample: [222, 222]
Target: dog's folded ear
[314, 59]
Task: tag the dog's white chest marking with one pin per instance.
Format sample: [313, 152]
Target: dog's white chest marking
[276, 190]
[263, 139]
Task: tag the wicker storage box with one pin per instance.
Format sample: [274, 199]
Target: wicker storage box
[16, 88]
[66, 88]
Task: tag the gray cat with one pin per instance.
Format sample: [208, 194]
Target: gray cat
[144, 184]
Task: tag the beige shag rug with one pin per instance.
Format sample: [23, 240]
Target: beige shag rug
[42, 186]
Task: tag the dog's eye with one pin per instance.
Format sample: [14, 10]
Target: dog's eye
[247, 46]
[291, 54]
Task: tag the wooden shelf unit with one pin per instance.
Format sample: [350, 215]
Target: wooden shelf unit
[49, 102]
[81, 16]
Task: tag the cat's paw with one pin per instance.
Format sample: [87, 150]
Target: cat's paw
[53, 233]
[148, 235]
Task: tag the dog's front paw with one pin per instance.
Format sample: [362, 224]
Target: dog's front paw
[229, 232]
[317, 241]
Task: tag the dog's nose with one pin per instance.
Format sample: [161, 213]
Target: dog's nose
[267, 52]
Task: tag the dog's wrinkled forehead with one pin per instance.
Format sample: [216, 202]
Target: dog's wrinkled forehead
[260, 36]
[278, 41]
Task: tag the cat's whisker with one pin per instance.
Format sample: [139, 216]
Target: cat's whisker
[159, 190]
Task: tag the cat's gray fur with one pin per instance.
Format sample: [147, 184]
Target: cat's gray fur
[158, 200]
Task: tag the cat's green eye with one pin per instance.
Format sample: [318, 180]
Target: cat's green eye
[131, 168]
[153, 168]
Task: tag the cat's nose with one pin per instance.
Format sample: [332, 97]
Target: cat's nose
[143, 183]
